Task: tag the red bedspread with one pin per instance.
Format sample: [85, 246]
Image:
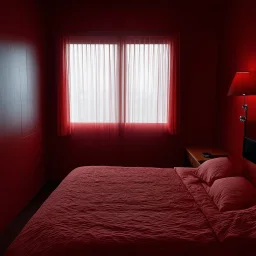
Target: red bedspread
[118, 211]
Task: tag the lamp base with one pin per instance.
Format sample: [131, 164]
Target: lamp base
[242, 119]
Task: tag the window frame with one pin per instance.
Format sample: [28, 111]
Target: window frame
[121, 45]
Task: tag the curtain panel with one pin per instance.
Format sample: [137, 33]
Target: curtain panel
[64, 124]
[117, 84]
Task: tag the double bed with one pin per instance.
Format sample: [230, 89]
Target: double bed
[135, 211]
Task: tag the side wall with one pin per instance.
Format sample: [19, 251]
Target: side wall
[21, 115]
[238, 53]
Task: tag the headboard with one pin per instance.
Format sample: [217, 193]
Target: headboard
[249, 149]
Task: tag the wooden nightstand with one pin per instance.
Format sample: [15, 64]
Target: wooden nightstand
[195, 158]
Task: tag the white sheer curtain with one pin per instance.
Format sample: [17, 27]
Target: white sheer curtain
[123, 82]
[93, 83]
[147, 73]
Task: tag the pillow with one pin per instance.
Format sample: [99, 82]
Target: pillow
[232, 193]
[206, 187]
[218, 168]
[251, 172]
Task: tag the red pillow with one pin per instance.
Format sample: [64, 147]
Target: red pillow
[251, 172]
[218, 168]
[232, 193]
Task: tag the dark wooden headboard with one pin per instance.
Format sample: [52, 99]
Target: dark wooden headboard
[249, 149]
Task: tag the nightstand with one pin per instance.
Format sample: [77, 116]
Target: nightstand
[195, 158]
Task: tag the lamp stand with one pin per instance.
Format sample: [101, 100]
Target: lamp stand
[244, 118]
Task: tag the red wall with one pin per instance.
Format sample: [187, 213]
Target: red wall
[21, 139]
[238, 53]
[198, 26]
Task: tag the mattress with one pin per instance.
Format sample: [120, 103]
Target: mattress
[124, 211]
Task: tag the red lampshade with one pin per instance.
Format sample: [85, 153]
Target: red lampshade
[244, 83]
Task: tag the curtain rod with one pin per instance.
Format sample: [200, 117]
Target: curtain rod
[124, 33]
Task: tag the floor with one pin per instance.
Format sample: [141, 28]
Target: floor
[14, 228]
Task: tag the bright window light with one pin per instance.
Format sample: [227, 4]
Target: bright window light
[105, 85]
[93, 83]
[147, 83]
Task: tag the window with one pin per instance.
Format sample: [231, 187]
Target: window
[119, 82]
[147, 82]
[93, 83]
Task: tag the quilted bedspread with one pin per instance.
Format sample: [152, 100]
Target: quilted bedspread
[118, 211]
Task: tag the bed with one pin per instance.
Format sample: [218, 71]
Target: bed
[134, 211]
